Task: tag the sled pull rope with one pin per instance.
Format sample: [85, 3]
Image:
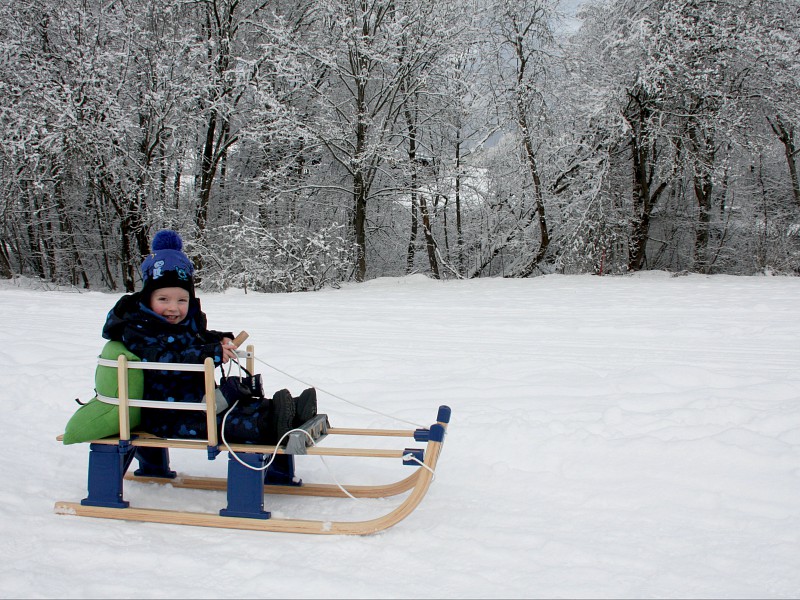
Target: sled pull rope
[274, 452]
[406, 457]
[410, 456]
[345, 400]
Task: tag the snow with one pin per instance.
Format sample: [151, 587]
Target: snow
[624, 437]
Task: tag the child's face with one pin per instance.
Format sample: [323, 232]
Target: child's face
[172, 303]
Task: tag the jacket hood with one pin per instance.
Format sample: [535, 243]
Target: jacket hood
[132, 307]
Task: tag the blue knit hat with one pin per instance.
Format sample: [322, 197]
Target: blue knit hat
[167, 266]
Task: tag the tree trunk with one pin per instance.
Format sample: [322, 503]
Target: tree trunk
[412, 186]
[412, 236]
[538, 202]
[703, 188]
[359, 223]
[785, 134]
[643, 204]
[207, 168]
[5, 264]
[459, 232]
[703, 156]
[360, 184]
[430, 243]
[418, 199]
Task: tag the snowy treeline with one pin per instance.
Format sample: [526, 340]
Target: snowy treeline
[295, 143]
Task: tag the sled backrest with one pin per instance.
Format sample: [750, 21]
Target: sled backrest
[123, 365]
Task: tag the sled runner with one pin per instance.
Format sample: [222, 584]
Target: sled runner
[253, 470]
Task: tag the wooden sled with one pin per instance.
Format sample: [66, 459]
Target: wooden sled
[109, 459]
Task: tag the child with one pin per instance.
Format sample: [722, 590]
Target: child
[164, 323]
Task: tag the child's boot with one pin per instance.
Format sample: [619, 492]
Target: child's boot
[305, 407]
[280, 417]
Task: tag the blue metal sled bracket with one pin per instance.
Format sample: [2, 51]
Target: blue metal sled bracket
[413, 456]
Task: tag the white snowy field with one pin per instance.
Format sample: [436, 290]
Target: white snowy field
[625, 437]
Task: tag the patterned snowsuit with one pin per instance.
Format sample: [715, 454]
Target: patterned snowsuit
[153, 339]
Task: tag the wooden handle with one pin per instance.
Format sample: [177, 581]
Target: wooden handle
[239, 339]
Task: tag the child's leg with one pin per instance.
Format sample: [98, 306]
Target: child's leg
[153, 462]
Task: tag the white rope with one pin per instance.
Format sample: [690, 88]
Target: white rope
[406, 457]
[275, 453]
[324, 391]
[410, 456]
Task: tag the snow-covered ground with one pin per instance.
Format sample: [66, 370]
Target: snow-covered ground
[611, 437]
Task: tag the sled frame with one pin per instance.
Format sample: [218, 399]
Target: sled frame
[109, 459]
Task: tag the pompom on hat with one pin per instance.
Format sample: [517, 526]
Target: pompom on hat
[167, 265]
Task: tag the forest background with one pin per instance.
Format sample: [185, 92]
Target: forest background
[301, 143]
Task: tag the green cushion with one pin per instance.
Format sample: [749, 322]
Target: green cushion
[105, 378]
[96, 419]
